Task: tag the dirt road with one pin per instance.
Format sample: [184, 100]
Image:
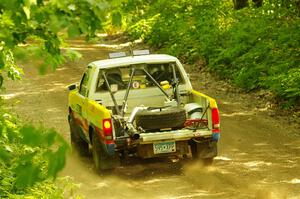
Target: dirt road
[259, 154]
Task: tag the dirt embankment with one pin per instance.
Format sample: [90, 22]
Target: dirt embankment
[259, 152]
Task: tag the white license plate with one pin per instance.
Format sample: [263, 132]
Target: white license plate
[164, 147]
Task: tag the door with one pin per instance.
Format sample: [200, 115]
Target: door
[80, 102]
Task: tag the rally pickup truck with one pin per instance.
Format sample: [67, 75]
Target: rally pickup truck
[141, 105]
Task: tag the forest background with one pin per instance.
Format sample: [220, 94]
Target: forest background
[254, 45]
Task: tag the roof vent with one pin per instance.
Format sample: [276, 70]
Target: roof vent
[140, 52]
[116, 55]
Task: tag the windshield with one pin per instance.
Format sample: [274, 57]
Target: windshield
[162, 73]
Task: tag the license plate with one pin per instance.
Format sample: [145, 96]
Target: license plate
[164, 147]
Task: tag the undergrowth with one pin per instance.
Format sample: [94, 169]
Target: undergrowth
[30, 159]
[253, 48]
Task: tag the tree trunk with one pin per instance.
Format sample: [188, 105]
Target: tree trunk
[239, 4]
[257, 3]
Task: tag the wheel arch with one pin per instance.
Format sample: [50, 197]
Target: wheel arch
[91, 131]
[70, 115]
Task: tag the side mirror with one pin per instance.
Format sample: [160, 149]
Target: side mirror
[72, 87]
[114, 88]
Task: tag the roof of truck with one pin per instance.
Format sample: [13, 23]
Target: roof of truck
[129, 60]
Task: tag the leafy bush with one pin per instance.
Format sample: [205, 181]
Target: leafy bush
[29, 157]
[252, 47]
[46, 24]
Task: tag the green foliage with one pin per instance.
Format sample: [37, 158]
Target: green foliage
[62, 188]
[28, 155]
[35, 30]
[116, 19]
[252, 47]
[44, 23]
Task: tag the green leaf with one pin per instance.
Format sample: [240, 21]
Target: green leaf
[54, 23]
[83, 26]
[5, 155]
[73, 55]
[116, 19]
[27, 11]
[2, 62]
[56, 161]
[73, 31]
[1, 81]
[52, 46]
[27, 174]
[31, 136]
[50, 136]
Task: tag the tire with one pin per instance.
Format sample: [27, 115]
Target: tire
[165, 118]
[77, 143]
[204, 152]
[102, 160]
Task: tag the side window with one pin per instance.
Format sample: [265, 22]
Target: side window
[83, 84]
[164, 72]
[114, 76]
